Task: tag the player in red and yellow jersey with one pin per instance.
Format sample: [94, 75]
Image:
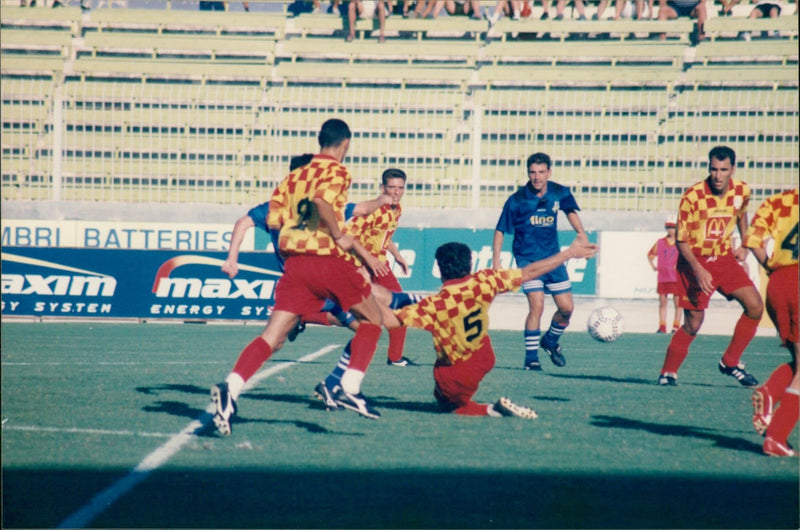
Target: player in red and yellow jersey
[375, 231]
[458, 318]
[308, 209]
[709, 212]
[777, 219]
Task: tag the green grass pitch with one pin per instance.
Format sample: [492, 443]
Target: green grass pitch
[84, 404]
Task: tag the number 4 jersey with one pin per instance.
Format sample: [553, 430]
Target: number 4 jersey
[458, 315]
[777, 218]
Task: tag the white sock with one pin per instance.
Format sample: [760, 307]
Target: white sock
[351, 381]
[493, 413]
[235, 385]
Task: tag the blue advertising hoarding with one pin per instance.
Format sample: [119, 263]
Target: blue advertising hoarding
[189, 285]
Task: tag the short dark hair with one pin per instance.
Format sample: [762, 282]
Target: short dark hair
[393, 173]
[722, 152]
[538, 158]
[454, 260]
[332, 133]
[300, 161]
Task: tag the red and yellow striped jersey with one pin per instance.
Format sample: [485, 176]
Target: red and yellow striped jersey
[776, 218]
[375, 230]
[706, 221]
[458, 315]
[293, 212]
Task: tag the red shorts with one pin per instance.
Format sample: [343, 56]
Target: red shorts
[782, 302]
[727, 276]
[389, 281]
[667, 288]
[308, 280]
[457, 383]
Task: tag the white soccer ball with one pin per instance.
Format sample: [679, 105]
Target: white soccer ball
[605, 324]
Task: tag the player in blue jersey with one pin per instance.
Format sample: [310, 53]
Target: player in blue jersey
[531, 215]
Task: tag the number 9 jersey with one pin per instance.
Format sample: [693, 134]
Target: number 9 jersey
[458, 315]
[293, 212]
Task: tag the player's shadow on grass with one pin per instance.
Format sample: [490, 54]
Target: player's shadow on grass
[684, 431]
[606, 378]
[177, 408]
[171, 387]
[386, 402]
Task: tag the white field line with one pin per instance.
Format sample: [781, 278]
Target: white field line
[75, 430]
[100, 502]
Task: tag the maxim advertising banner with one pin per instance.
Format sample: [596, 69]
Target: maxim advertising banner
[73, 282]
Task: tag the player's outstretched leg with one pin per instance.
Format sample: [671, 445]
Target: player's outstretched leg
[506, 407]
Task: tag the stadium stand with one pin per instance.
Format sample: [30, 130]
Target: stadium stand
[189, 106]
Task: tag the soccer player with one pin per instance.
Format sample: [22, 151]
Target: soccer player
[708, 213]
[375, 231]
[777, 219]
[257, 217]
[458, 318]
[663, 257]
[308, 209]
[531, 214]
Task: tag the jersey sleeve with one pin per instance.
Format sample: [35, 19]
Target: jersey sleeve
[758, 232]
[417, 315]
[505, 223]
[259, 215]
[568, 202]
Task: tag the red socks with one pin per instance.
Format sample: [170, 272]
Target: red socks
[252, 357]
[778, 381]
[363, 346]
[743, 333]
[785, 417]
[677, 351]
[397, 340]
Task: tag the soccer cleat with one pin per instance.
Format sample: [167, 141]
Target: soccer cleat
[506, 407]
[773, 447]
[403, 361]
[533, 366]
[668, 379]
[738, 372]
[555, 354]
[355, 402]
[762, 410]
[225, 408]
[296, 330]
[326, 395]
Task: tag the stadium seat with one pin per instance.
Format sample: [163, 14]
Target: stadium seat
[583, 52]
[777, 51]
[721, 27]
[677, 29]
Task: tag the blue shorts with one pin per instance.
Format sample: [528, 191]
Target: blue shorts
[554, 282]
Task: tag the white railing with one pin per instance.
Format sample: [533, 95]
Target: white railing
[620, 149]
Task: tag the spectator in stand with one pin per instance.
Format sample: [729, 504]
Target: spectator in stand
[577, 5]
[638, 12]
[511, 8]
[671, 9]
[453, 7]
[367, 9]
[762, 9]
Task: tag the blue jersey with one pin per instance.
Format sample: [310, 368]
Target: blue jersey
[533, 221]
